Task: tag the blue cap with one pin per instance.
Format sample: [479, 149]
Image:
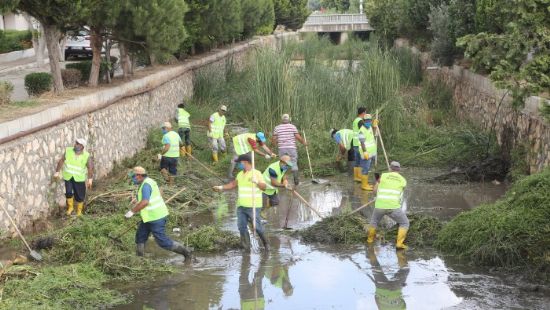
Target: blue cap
[261, 136]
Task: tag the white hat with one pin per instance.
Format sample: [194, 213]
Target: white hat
[139, 170]
[166, 125]
[286, 118]
[81, 141]
[223, 108]
[395, 164]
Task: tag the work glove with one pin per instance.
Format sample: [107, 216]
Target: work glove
[208, 134]
[226, 135]
[89, 183]
[375, 123]
[365, 155]
[57, 176]
[129, 214]
[218, 188]
[267, 156]
[159, 157]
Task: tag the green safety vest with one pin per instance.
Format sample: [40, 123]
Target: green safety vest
[346, 136]
[389, 299]
[75, 166]
[370, 142]
[270, 189]
[355, 128]
[246, 189]
[183, 119]
[240, 143]
[253, 304]
[217, 125]
[156, 208]
[390, 191]
[174, 150]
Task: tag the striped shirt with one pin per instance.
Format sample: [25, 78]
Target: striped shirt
[285, 136]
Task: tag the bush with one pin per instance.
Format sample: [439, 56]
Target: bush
[85, 67]
[14, 40]
[6, 89]
[71, 77]
[38, 83]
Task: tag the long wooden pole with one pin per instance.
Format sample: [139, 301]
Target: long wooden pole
[376, 137]
[308, 158]
[361, 207]
[253, 196]
[383, 148]
[306, 203]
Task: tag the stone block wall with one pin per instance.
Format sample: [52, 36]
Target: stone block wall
[114, 121]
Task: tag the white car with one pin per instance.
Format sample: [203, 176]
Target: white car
[78, 44]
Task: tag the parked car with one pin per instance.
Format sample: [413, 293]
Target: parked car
[78, 44]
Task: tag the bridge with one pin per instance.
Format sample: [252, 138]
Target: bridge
[336, 25]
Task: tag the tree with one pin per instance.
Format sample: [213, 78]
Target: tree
[388, 17]
[340, 6]
[291, 13]
[518, 58]
[196, 24]
[442, 47]
[257, 14]
[55, 16]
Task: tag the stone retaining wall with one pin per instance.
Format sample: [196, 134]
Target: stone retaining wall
[115, 121]
[478, 100]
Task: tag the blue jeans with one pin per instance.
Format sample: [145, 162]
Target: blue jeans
[244, 216]
[157, 228]
[365, 165]
[357, 156]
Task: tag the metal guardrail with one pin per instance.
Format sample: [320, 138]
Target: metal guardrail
[336, 19]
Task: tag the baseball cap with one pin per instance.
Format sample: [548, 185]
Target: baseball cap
[139, 170]
[367, 116]
[287, 160]
[286, 118]
[261, 136]
[166, 125]
[223, 108]
[395, 164]
[81, 141]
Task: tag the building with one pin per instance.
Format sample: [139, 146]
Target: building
[10, 21]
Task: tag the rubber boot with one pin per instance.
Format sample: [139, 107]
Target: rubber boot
[245, 241]
[232, 166]
[371, 235]
[401, 235]
[70, 205]
[357, 174]
[79, 207]
[180, 249]
[189, 150]
[365, 183]
[264, 241]
[296, 177]
[182, 151]
[215, 157]
[401, 259]
[140, 249]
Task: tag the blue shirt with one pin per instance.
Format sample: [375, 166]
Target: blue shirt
[146, 191]
[337, 138]
[272, 173]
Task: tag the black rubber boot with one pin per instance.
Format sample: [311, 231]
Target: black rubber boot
[296, 176]
[245, 242]
[183, 250]
[140, 249]
[264, 241]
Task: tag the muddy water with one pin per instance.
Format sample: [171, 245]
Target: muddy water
[301, 276]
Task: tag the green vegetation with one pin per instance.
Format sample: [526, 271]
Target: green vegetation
[6, 89]
[351, 229]
[511, 232]
[14, 40]
[38, 83]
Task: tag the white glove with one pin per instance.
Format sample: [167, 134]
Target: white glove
[129, 214]
[159, 156]
[288, 186]
[267, 156]
[218, 188]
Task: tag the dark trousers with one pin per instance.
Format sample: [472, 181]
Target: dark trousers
[75, 189]
[157, 228]
[170, 164]
[185, 135]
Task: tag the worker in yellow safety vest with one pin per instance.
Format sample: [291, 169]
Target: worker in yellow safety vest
[249, 184]
[251, 291]
[367, 150]
[361, 111]
[216, 132]
[154, 213]
[77, 173]
[275, 177]
[170, 153]
[344, 140]
[247, 142]
[184, 129]
[389, 288]
[389, 195]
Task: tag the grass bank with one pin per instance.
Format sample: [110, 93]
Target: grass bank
[512, 232]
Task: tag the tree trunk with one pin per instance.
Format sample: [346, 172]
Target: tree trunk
[62, 42]
[51, 35]
[41, 46]
[124, 60]
[96, 43]
[38, 50]
[108, 44]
